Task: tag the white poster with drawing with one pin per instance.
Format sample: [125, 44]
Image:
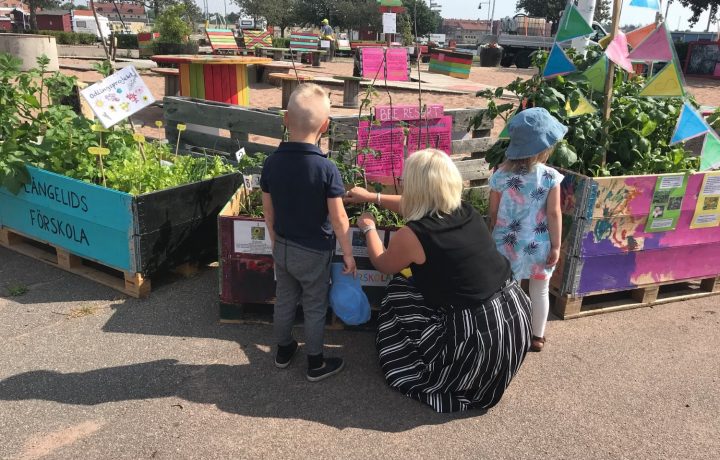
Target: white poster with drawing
[251, 237]
[118, 96]
[359, 244]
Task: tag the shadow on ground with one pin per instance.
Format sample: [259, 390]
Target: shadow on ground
[358, 397]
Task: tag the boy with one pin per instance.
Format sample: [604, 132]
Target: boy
[302, 202]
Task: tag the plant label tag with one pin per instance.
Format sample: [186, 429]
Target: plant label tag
[239, 154]
[252, 181]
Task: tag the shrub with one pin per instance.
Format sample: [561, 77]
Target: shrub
[127, 41]
[70, 38]
[281, 42]
[173, 25]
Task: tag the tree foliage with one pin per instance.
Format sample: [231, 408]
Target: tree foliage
[552, 9]
[698, 7]
[34, 5]
[419, 13]
[173, 24]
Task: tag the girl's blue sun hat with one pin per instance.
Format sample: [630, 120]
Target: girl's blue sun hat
[532, 131]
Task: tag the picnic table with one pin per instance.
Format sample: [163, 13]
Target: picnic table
[351, 90]
[289, 83]
[212, 77]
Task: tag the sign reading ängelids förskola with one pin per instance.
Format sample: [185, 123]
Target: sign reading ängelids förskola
[118, 96]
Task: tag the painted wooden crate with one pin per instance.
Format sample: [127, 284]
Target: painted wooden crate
[451, 63]
[606, 249]
[246, 262]
[142, 234]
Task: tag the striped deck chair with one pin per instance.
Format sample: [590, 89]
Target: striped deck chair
[222, 41]
[257, 39]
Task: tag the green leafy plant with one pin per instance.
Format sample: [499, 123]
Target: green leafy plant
[634, 140]
[173, 25]
[17, 290]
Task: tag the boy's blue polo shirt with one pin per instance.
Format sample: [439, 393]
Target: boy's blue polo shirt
[300, 178]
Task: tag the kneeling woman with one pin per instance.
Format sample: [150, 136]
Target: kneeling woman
[454, 334]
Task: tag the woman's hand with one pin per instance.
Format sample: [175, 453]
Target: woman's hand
[365, 220]
[358, 195]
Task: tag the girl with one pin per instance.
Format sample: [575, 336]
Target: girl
[525, 208]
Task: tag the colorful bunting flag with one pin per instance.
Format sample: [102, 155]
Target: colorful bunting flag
[585, 107]
[597, 73]
[558, 63]
[635, 37]
[504, 134]
[690, 124]
[654, 4]
[617, 51]
[667, 83]
[572, 25]
[656, 47]
[710, 158]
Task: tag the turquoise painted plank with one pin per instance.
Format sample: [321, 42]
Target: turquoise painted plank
[85, 219]
[449, 68]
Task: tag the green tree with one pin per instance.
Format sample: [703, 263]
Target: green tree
[279, 13]
[173, 25]
[343, 14]
[232, 18]
[698, 7]
[421, 16]
[552, 9]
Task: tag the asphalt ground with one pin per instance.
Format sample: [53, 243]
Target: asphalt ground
[88, 373]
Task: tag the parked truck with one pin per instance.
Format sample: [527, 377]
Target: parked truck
[522, 35]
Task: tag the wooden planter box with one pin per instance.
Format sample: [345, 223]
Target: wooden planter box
[246, 264]
[136, 235]
[605, 247]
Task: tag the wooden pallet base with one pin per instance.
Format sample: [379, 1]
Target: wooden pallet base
[568, 307]
[132, 284]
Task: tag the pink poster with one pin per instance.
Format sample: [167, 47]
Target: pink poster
[435, 134]
[397, 64]
[372, 60]
[407, 112]
[388, 141]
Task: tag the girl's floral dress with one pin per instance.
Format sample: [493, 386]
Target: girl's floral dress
[521, 231]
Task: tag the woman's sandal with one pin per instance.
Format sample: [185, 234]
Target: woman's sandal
[537, 343]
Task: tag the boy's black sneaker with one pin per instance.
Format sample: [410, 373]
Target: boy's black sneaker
[329, 367]
[285, 355]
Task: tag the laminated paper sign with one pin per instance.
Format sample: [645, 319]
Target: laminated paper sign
[251, 237]
[389, 141]
[118, 96]
[666, 203]
[436, 134]
[396, 64]
[389, 23]
[359, 244]
[407, 112]
[707, 210]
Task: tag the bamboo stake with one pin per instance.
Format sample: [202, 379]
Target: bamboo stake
[610, 79]
[102, 37]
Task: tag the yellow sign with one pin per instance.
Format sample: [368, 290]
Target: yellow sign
[707, 210]
[181, 127]
[98, 128]
[101, 151]
[159, 124]
[139, 138]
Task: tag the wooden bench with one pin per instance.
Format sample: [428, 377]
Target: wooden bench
[172, 80]
[289, 83]
[306, 43]
[257, 39]
[351, 90]
[277, 67]
[276, 53]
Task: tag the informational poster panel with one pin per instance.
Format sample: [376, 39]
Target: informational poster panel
[666, 203]
[379, 63]
[436, 134]
[118, 96]
[251, 237]
[359, 244]
[388, 141]
[389, 23]
[707, 210]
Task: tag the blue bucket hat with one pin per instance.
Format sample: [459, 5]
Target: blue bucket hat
[347, 298]
[532, 131]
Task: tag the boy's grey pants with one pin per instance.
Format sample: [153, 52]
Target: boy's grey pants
[303, 276]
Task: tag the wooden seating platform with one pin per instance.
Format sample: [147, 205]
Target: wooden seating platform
[351, 90]
[289, 83]
[264, 70]
[172, 80]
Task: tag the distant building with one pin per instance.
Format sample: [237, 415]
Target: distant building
[127, 12]
[54, 20]
[465, 30]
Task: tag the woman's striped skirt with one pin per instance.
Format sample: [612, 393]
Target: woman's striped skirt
[456, 358]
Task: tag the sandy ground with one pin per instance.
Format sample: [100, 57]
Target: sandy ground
[706, 91]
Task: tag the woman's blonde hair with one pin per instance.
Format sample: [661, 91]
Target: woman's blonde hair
[431, 184]
[527, 164]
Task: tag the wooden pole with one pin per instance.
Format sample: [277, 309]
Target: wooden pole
[610, 79]
[102, 37]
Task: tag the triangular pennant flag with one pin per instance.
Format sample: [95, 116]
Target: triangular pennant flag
[597, 73]
[585, 107]
[690, 124]
[654, 4]
[710, 158]
[634, 37]
[572, 25]
[667, 83]
[617, 51]
[558, 63]
[504, 134]
[656, 47]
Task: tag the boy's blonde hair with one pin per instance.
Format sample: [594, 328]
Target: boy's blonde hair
[527, 164]
[308, 109]
[431, 184]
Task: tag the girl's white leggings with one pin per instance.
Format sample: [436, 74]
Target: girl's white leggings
[540, 299]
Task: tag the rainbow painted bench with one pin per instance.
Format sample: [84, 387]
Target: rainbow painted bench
[306, 43]
[222, 41]
[257, 39]
[452, 63]
[215, 78]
